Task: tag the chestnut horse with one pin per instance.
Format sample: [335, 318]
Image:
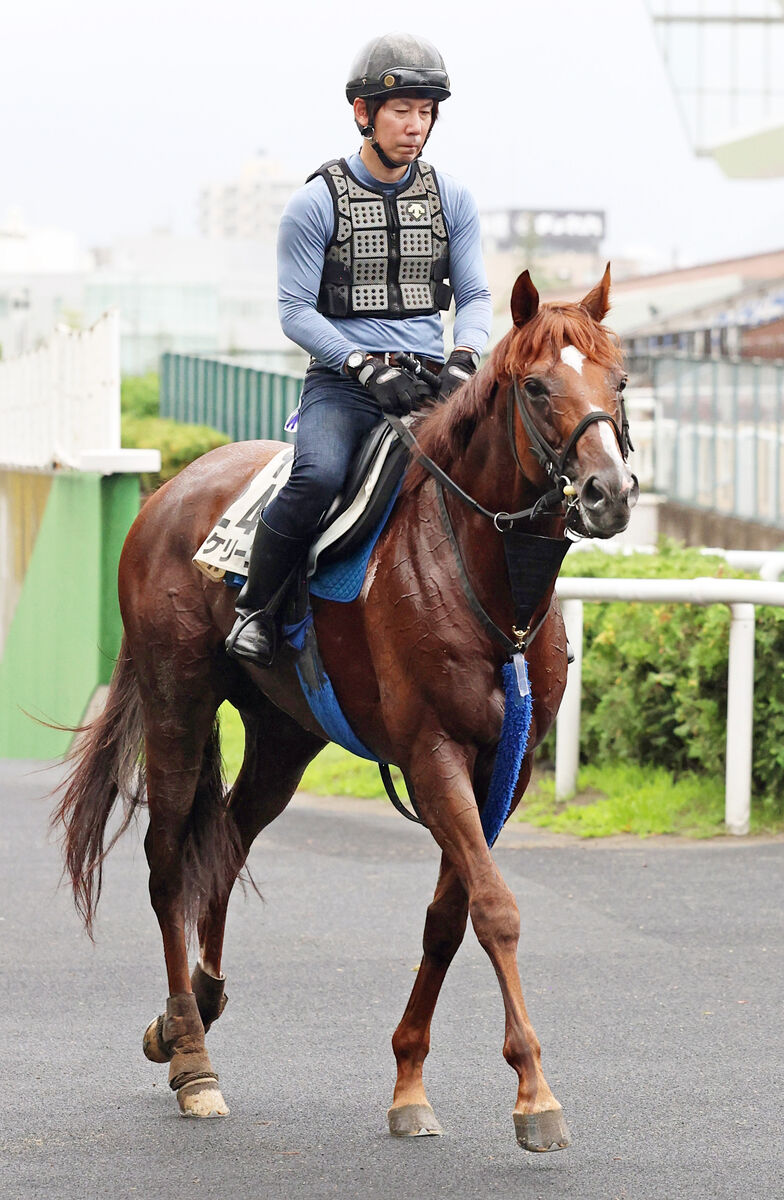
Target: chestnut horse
[414, 669]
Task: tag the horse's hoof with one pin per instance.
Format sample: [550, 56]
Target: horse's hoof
[413, 1120]
[202, 1098]
[153, 1044]
[542, 1131]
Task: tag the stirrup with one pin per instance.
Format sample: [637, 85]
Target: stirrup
[267, 627]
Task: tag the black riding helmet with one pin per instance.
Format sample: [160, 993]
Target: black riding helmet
[396, 63]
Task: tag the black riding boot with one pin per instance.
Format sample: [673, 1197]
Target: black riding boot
[272, 559]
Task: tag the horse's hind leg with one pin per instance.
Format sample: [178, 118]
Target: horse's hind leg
[187, 835]
[411, 1114]
[277, 750]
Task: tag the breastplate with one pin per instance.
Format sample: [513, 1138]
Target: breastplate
[389, 255]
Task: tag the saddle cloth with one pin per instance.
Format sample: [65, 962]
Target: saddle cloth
[367, 498]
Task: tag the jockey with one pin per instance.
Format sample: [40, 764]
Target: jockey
[370, 251]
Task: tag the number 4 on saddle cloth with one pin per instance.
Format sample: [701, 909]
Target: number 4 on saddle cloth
[336, 564]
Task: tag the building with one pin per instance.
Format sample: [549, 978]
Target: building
[730, 308]
[42, 273]
[186, 294]
[249, 206]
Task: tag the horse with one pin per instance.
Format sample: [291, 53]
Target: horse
[415, 669]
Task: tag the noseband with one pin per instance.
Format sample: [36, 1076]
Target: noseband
[553, 463]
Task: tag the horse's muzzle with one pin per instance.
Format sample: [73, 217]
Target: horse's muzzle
[606, 502]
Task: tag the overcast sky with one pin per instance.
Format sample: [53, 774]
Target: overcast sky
[114, 114]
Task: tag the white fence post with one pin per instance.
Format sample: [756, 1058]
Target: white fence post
[567, 738]
[740, 716]
[742, 595]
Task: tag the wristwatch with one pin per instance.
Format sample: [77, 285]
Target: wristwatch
[354, 362]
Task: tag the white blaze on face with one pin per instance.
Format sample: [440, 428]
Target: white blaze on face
[573, 358]
[609, 440]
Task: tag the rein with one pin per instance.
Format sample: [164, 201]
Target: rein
[553, 463]
[501, 520]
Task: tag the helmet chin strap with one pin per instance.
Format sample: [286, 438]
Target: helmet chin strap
[368, 132]
[388, 162]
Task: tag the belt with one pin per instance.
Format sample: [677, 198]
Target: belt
[391, 357]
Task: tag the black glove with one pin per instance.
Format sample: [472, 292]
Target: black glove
[459, 367]
[393, 389]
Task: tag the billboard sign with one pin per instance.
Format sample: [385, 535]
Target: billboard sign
[545, 229]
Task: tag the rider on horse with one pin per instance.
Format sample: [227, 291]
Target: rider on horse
[369, 251]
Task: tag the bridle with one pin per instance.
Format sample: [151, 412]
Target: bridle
[553, 463]
[563, 491]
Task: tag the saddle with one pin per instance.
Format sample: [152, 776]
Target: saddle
[353, 517]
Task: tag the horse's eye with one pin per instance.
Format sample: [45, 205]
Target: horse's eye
[622, 384]
[536, 389]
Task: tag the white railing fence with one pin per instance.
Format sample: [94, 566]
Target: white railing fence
[741, 595]
[60, 404]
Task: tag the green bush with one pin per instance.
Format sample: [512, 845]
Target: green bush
[144, 429]
[140, 395]
[655, 675]
[178, 443]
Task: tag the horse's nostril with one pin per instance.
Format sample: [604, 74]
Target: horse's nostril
[593, 494]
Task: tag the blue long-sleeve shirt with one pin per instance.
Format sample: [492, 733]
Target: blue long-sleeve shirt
[306, 229]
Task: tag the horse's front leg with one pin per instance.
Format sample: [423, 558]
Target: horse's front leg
[411, 1114]
[442, 785]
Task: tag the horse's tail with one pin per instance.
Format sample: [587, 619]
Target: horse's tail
[107, 763]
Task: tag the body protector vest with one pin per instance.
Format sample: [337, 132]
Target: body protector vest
[389, 255]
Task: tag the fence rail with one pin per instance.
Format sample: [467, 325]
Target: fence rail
[243, 402]
[708, 433]
[741, 595]
[62, 402]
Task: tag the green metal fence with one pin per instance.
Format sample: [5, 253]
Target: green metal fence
[242, 401]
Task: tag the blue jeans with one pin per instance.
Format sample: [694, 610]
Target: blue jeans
[335, 416]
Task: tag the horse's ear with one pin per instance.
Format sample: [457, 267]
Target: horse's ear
[525, 299]
[597, 302]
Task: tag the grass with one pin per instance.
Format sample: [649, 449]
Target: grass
[626, 798]
[334, 772]
[613, 798]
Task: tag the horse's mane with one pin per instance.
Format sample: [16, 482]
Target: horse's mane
[444, 433]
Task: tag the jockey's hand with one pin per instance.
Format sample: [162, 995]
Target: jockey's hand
[459, 367]
[393, 389]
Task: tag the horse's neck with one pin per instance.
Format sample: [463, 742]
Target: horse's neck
[487, 471]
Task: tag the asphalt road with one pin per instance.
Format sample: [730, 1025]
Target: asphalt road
[652, 972]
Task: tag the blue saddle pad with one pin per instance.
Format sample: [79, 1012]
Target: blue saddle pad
[342, 580]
